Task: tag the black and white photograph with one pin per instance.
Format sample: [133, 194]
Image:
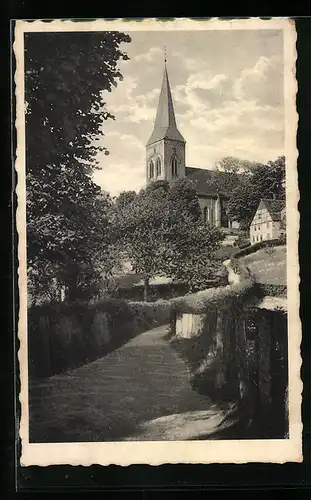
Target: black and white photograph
[158, 242]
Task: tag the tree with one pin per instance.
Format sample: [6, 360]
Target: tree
[265, 181]
[67, 215]
[137, 222]
[189, 256]
[236, 165]
[125, 198]
[164, 234]
[183, 198]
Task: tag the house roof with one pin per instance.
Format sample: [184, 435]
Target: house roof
[212, 182]
[274, 207]
[165, 123]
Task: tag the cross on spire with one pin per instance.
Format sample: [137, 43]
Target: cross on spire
[165, 55]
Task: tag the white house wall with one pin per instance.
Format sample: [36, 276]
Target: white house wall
[263, 227]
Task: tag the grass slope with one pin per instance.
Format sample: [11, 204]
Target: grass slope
[268, 268]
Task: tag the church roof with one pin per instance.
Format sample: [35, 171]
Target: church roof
[212, 182]
[274, 207]
[165, 123]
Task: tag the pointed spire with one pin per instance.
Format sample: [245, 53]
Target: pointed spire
[165, 123]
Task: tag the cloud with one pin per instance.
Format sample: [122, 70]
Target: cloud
[128, 104]
[152, 54]
[233, 116]
[188, 64]
[123, 168]
[236, 128]
[202, 80]
[227, 103]
[201, 90]
[120, 177]
[262, 82]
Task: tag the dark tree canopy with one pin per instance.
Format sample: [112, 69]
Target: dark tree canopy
[164, 234]
[236, 165]
[264, 181]
[67, 215]
[65, 76]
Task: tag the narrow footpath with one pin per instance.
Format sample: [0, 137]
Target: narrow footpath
[117, 397]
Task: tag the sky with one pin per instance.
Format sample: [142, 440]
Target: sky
[227, 88]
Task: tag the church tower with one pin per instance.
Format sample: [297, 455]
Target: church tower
[165, 150]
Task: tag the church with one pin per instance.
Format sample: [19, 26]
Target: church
[166, 159]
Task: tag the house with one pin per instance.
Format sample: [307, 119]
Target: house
[166, 159]
[269, 221]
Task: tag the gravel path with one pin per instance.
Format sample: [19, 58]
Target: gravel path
[112, 397]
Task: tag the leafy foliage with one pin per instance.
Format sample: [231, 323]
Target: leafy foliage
[164, 234]
[264, 181]
[236, 165]
[67, 335]
[68, 218]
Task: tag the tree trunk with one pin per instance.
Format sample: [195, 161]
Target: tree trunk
[72, 283]
[146, 289]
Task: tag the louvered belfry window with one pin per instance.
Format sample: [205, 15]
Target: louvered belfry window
[174, 166]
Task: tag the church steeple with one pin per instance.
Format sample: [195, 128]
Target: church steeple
[165, 150]
[165, 123]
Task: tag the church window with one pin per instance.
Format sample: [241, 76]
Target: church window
[174, 166]
[212, 217]
[151, 169]
[205, 214]
[158, 166]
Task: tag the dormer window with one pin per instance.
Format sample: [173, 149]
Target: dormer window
[151, 169]
[158, 167]
[174, 164]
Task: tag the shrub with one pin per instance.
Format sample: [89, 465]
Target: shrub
[244, 245]
[270, 250]
[283, 238]
[257, 246]
[273, 290]
[63, 336]
[212, 298]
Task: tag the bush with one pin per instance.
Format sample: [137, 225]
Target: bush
[257, 246]
[270, 250]
[224, 253]
[273, 290]
[211, 298]
[157, 291]
[283, 238]
[244, 245]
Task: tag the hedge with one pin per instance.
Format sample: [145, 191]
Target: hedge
[273, 290]
[257, 246]
[198, 303]
[156, 292]
[64, 336]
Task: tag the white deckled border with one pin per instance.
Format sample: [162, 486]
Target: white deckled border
[156, 453]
